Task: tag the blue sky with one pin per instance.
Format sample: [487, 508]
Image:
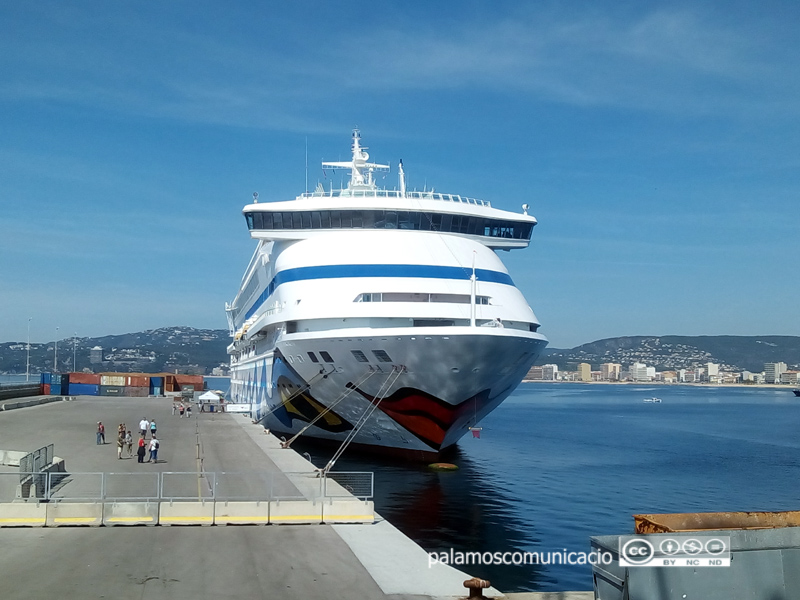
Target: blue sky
[657, 145]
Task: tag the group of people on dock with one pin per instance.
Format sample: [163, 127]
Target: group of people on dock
[182, 409]
[125, 440]
[125, 436]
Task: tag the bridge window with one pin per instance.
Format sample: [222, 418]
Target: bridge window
[389, 219]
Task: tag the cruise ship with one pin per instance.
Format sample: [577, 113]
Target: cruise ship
[381, 318]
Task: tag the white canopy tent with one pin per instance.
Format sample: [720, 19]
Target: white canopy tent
[209, 396]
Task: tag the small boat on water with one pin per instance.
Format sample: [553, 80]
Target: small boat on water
[796, 392]
[652, 400]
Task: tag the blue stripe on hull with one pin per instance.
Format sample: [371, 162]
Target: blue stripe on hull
[342, 271]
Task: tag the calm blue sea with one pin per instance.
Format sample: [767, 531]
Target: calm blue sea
[557, 463]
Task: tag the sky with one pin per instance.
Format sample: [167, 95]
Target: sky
[657, 144]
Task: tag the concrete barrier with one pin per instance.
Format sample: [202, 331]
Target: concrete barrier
[199, 512]
[130, 513]
[295, 511]
[347, 511]
[241, 513]
[61, 514]
[23, 514]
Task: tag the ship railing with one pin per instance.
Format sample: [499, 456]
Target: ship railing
[168, 486]
[397, 194]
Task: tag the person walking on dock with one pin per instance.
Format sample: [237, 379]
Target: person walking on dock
[153, 450]
[143, 427]
[153, 429]
[101, 433]
[181, 408]
[129, 443]
[120, 444]
[141, 449]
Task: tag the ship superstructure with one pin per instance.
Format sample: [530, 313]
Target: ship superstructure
[380, 317]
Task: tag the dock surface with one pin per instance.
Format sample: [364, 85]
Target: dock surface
[193, 562]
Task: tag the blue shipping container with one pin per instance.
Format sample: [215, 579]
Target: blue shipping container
[55, 389]
[84, 389]
[65, 380]
[45, 378]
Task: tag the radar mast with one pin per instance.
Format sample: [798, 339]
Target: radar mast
[360, 169]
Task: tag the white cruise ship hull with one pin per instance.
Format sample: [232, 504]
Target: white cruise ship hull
[381, 318]
[437, 385]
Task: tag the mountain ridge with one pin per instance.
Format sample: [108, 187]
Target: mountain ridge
[188, 349]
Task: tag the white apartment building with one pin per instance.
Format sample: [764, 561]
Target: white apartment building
[773, 372]
[638, 372]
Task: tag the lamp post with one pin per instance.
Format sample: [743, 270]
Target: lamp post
[74, 351]
[55, 358]
[28, 356]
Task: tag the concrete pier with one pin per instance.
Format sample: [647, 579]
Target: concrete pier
[296, 561]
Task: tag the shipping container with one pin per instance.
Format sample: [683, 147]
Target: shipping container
[45, 389]
[137, 392]
[112, 390]
[113, 380]
[55, 389]
[46, 378]
[82, 389]
[137, 381]
[189, 382]
[89, 378]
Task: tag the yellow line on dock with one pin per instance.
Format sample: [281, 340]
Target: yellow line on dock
[23, 520]
[75, 519]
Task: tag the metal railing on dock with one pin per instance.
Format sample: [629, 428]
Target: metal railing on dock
[168, 486]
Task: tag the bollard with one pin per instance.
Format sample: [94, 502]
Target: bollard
[475, 586]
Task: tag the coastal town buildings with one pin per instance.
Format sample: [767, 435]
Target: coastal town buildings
[699, 372]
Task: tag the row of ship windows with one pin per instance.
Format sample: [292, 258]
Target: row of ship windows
[389, 219]
[409, 297]
[380, 355]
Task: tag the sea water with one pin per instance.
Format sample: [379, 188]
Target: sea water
[558, 463]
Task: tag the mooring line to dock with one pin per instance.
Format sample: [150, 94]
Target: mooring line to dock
[382, 393]
[369, 373]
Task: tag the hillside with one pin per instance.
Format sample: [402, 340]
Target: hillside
[669, 352]
[184, 349]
